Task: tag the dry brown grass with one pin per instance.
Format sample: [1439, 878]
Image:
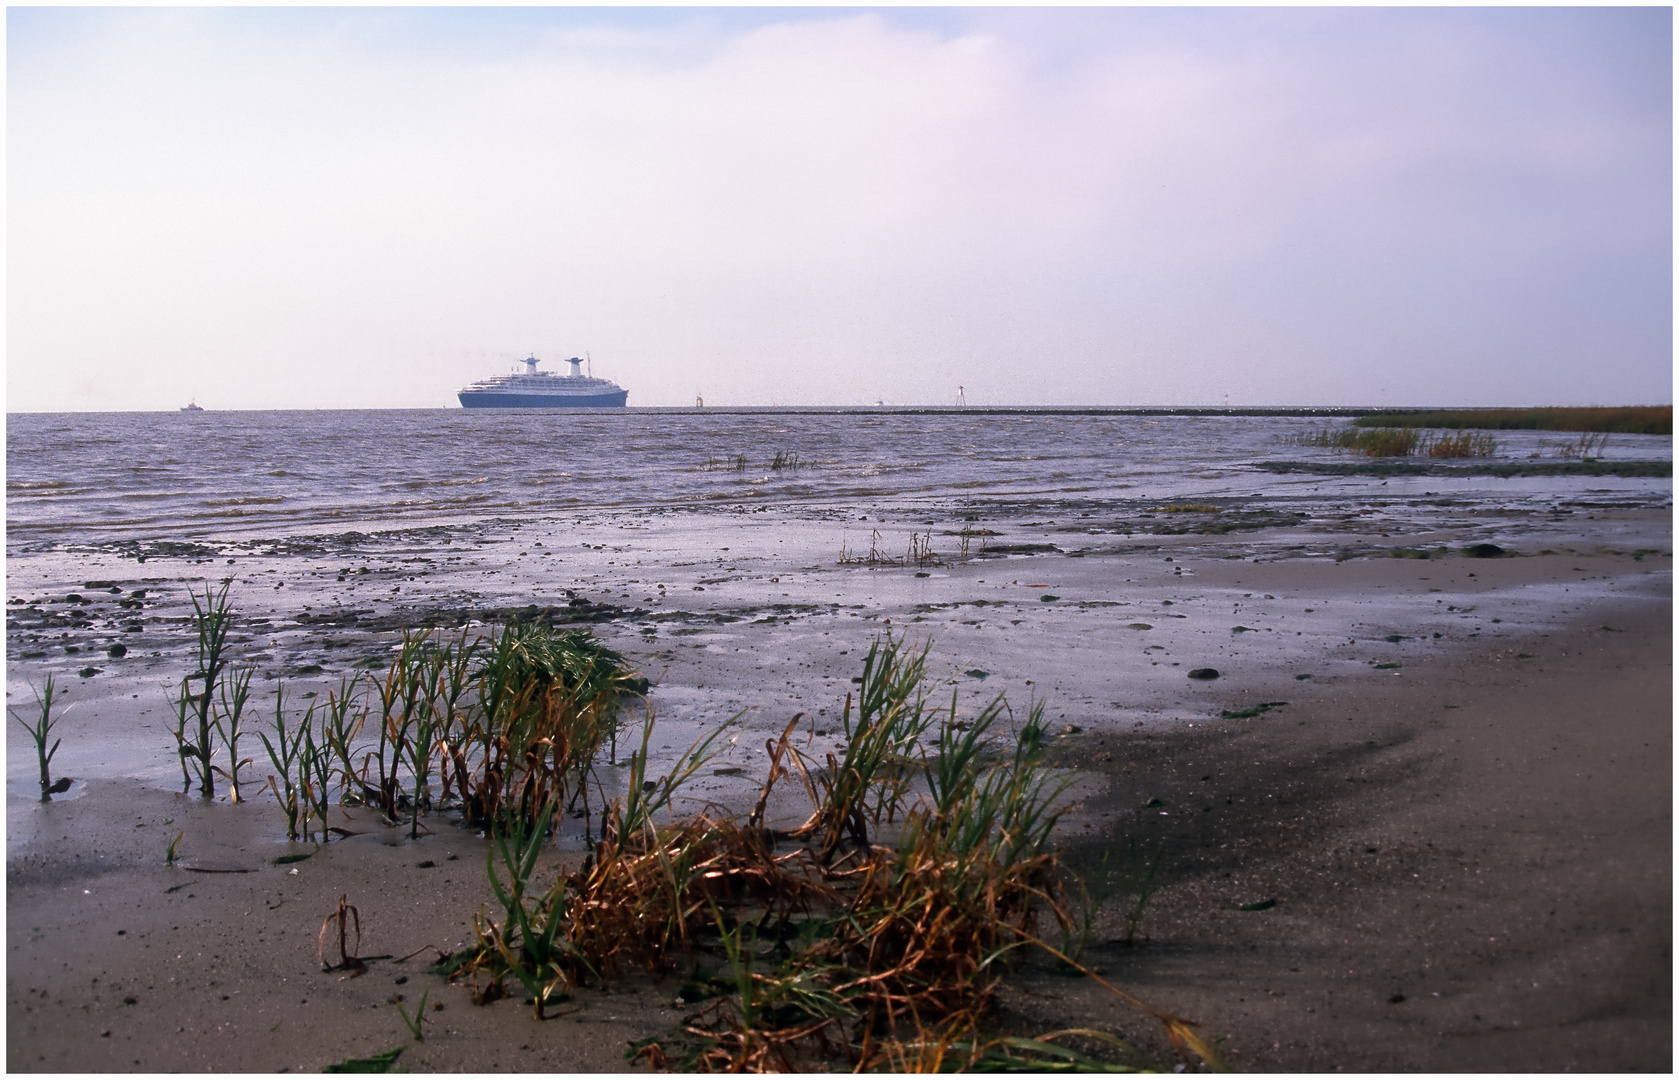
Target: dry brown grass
[901, 948]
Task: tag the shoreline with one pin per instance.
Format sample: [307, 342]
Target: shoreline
[887, 410]
[251, 936]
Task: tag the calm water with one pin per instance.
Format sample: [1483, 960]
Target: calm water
[86, 477]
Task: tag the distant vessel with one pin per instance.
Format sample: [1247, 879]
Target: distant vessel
[533, 389]
[192, 406]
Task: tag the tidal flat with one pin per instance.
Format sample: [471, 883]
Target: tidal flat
[1420, 820]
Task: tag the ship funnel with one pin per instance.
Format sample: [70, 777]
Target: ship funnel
[576, 367]
[530, 365]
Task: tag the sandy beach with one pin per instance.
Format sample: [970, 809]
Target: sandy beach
[1457, 827]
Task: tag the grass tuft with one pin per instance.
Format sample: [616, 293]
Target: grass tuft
[833, 947]
[1391, 442]
[41, 730]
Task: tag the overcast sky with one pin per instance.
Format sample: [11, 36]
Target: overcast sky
[289, 208]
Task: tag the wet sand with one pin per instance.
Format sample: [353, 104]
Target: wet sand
[1521, 864]
[1469, 858]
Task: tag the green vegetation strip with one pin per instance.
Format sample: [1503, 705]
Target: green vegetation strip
[1490, 468]
[1644, 420]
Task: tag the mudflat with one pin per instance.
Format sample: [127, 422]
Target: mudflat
[1463, 866]
[1449, 850]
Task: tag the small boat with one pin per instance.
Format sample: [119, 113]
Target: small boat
[192, 406]
[533, 389]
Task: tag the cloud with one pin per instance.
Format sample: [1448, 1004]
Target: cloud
[1120, 206]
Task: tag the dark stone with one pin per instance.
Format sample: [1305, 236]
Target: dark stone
[1483, 551]
[1204, 673]
[117, 651]
[88, 672]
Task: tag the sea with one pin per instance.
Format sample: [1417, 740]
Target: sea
[79, 479]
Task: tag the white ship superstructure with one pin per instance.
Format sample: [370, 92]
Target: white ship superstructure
[533, 389]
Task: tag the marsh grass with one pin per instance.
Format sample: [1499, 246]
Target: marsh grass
[1388, 442]
[1379, 442]
[1464, 444]
[339, 923]
[870, 777]
[965, 539]
[415, 1024]
[1141, 875]
[495, 727]
[835, 948]
[919, 553]
[878, 955]
[229, 725]
[1588, 447]
[303, 760]
[212, 618]
[378, 1063]
[40, 730]
[1094, 892]
[1634, 420]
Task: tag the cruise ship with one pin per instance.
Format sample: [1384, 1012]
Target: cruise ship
[533, 389]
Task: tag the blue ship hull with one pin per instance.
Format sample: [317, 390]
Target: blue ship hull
[480, 400]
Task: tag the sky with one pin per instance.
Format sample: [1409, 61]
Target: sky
[370, 207]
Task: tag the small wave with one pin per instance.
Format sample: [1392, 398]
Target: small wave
[245, 500]
[418, 485]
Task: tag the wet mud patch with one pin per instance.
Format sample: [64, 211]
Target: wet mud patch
[1198, 797]
[574, 612]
